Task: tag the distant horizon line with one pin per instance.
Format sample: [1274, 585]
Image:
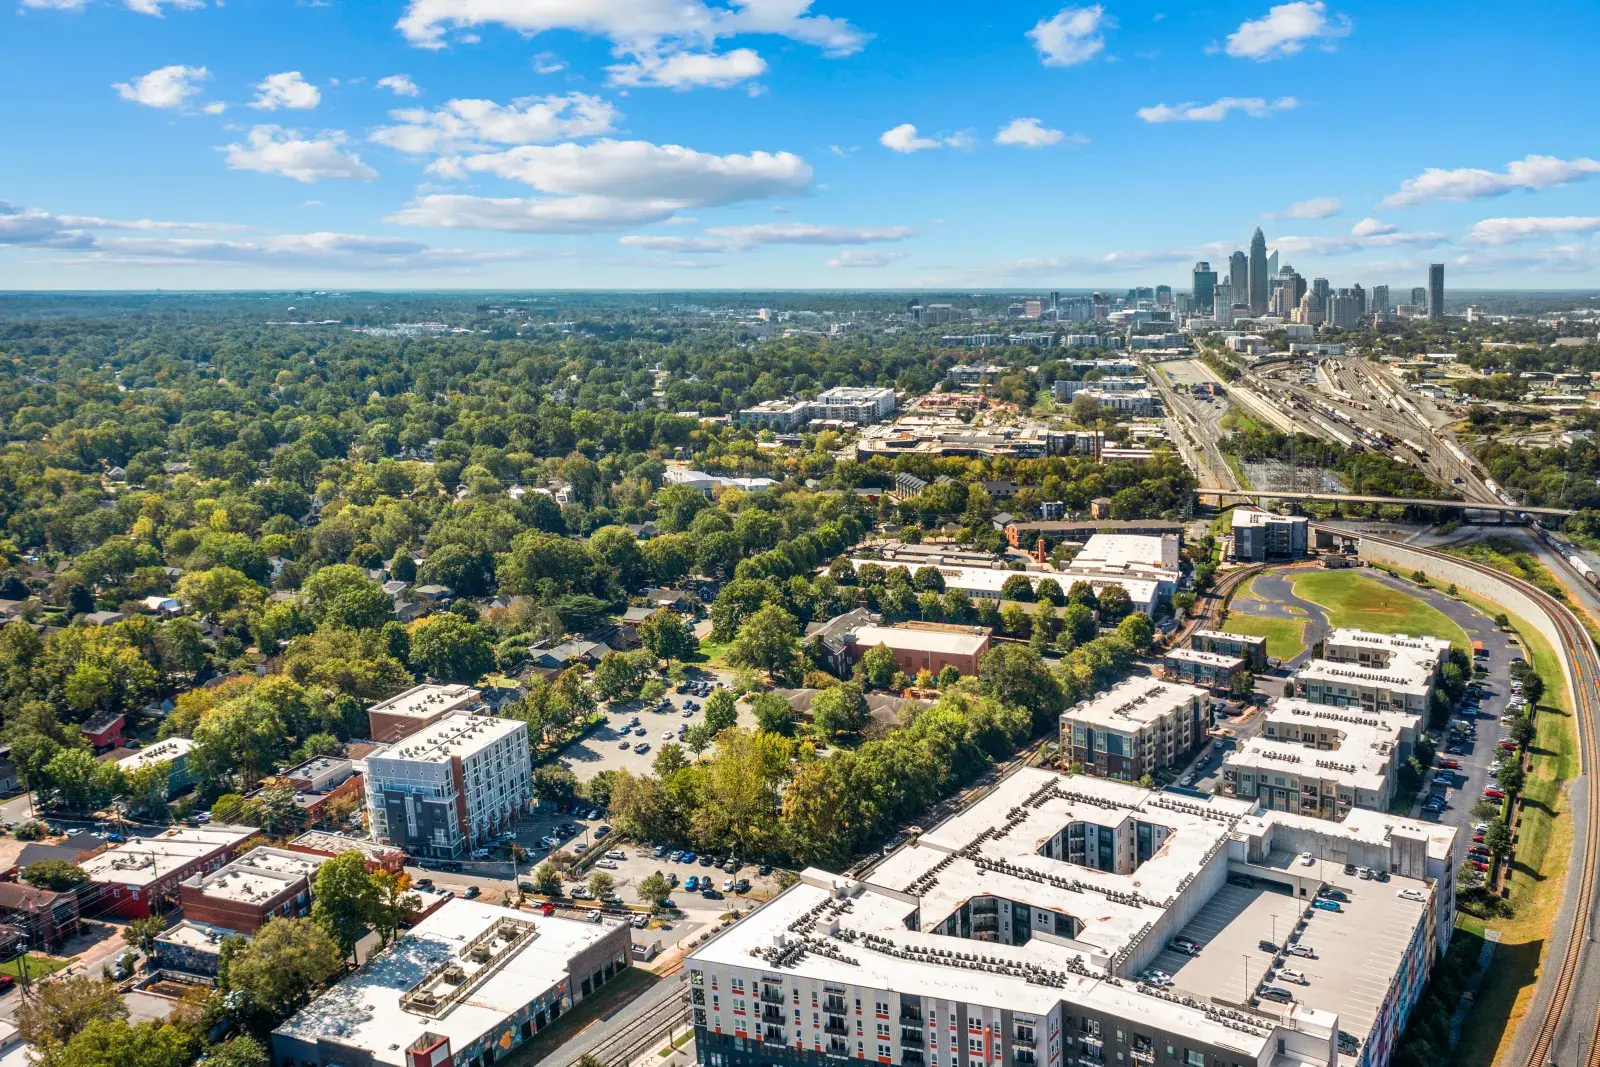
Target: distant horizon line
[311, 291]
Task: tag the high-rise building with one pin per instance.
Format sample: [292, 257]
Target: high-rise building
[1360, 296]
[1239, 274]
[1163, 296]
[1310, 311]
[1222, 303]
[1436, 291]
[1259, 286]
[1380, 300]
[1205, 285]
[1055, 300]
[1419, 297]
[1320, 287]
[1272, 264]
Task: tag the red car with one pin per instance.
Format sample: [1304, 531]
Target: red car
[1508, 746]
[1477, 837]
[1479, 864]
[6, 982]
[1494, 794]
[1450, 764]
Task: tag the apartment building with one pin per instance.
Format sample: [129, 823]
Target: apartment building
[173, 752]
[1315, 760]
[450, 787]
[1015, 932]
[265, 883]
[1253, 650]
[1260, 536]
[1136, 728]
[418, 707]
[141, 877]
[1403, 685]
[1377, 651]
[1211, 670]
[861, 406]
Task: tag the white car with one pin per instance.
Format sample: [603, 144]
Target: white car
[616, 854]
[609, 865]
[1307, 859]
[668, 735]
[1289, 974]
[1413, 894]
[1302, 950]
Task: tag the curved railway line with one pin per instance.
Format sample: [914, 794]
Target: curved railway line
[1585, 697]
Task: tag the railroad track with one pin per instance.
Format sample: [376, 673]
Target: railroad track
[1586, 696]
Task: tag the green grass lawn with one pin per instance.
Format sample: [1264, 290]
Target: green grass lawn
[1355, 600]
[38, 966]
[1286, 638]
[1238, 420]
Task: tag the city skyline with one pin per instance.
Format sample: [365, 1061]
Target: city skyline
[830, 144]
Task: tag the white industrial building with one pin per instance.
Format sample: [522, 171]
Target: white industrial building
[1018, 931]
[1146, 566]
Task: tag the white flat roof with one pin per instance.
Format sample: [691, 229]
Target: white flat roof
[160, 752]
[1151, 550]
[453, 735]
[259, 875]
[427, 701]
[918, 640]
[1213, 659]
[1402, 675]
[363, 1011]
[1431, 650]
[1364, 757]
[147, 859]
[1134, 703]
[1223, 635]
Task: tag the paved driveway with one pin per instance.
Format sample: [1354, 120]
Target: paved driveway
[603, 749]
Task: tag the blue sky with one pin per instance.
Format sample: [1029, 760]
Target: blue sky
[682, 144]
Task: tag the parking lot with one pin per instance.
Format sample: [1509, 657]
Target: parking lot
[626, 744]
[639, 862]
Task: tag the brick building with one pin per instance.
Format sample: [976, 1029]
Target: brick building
[418, 707]
[927, 647]
[262, 884]
[142, 877]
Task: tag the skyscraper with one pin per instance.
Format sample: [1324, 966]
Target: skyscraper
[1205, 285]
[1360, 296]
[1163, 296]
[1436, 291]
[1222, 303]
[1239, 274]
[1320, 287]
[1419, 297]
[1260, 286]
[1380, 300]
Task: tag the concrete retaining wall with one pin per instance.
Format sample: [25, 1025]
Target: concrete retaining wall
[1405, 559]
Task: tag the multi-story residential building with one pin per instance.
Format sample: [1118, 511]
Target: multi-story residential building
[1259, 536]
[1345, 645]
[1253, 650]
[450, 787]
[1315, 760]
[420, 706]
[1403, 685]
[975, 373]
[862, 406]
[1014, 934]
[1212, 670]
[465, 986]
[1066, 388]
[172, 751]
[1138, 727]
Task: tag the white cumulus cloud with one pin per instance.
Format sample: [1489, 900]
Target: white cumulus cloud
[1468, 183]
[399, 85]
[1071, 36]
[1318, 207]
[1371, 227]
[165, 87]
[1254, 106]
[1510, 230]
[689, 70]
[1028, 133]
[275, 150]
[904, 138]
[463, 124]
[557, 214]
[1285, 29]
[287, 89]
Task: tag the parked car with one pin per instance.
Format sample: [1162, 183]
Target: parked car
[675, 855]
[1307, 859]
[710, 894]
[1267, 946]
[1289, 974]
[688, 857]
[1326, 905]
[1278, 993]
[601, 831]
[472, 892]
[616, 854]
[742, 886]
[1303, 951]
[1493, 794]
[706, 861]
[580, 893]
[693, 883]
[609, 865]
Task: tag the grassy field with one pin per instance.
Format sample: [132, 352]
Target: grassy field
[1238, 420]
[1286, 638]
[1355, 600]
[1513, 558]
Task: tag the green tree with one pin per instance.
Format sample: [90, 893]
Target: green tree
[56, 875]
[877, 667]
[344, 899]
[60, 1009]
[948, 676]
[721, 711]
[773, 713]
[653, 889]
[1017, 587]
[142, 933]
[114, 1043]
[839, 710]
[242, 1051]
[451, 649]
[82, 782]
[1241, 685]
[1114, 603]
[602, 885]
[547, 880]
[1497, 839]
[342, 596]
[390, 903]
[1137, 630]
[286, 961]
[667, 636]
[1016, 675]
[766, 641]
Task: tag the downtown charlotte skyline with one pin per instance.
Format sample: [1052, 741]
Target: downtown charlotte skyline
[775, 143]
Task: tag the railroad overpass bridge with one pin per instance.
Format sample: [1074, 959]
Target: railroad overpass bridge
[1354, 498]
